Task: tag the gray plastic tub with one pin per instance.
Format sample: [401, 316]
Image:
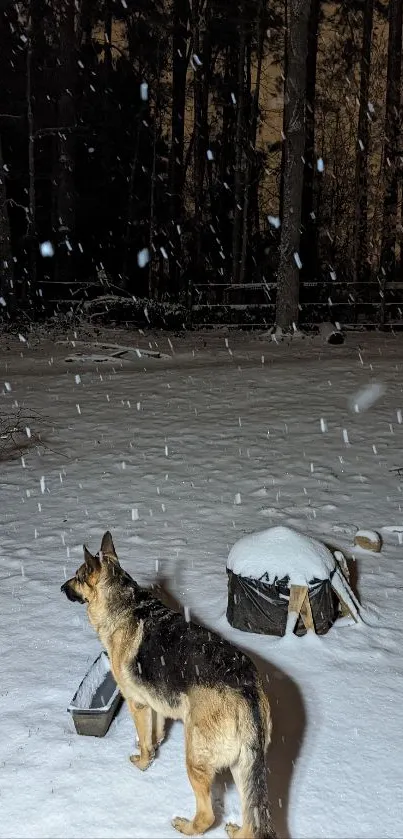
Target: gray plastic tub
[97, 699]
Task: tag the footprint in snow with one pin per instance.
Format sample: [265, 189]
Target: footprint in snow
[259, 493]
[271, 511]
[345, 528]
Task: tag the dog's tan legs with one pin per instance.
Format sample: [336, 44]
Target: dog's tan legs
[158, 729]
[142, 717]
[236, 832]
[201, 776]
[201, 780]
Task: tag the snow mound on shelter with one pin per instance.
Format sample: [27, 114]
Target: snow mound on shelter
[281, 552]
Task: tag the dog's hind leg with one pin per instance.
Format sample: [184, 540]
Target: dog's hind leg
[201, 776]
[142, 716]
[201, 780]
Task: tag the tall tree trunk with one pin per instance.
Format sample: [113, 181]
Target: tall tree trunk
[108, 38]
[125, 278]
[203, 131]
[153, 289]
[221, 195]
[253, 173]
[282, 164]
[249, 152]
[391, 149]
[198, 161]
[180, 15]
[226, 146]
[7, 290]
[30, 290]
[239, 150]
[293, 164]
[309, 224]
[208, 66]
[152, 283]
[85, 23]
[362, 154]
[106, 77]
[66, 115]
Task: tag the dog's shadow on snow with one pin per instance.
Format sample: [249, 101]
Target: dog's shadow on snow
[289, 722]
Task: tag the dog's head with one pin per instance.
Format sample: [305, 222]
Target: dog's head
[82, 587]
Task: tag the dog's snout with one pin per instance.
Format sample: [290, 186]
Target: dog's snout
[71, 593]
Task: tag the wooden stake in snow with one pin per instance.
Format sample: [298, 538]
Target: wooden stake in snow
[299, 605]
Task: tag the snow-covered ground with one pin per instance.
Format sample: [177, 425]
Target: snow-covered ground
[179, 458]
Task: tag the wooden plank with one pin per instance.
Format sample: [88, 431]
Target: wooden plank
[297, 597]
[306, 613]
[345, 609]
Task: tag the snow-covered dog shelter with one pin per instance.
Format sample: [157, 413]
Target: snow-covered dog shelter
[281, 581]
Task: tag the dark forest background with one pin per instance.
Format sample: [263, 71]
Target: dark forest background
[225, 161]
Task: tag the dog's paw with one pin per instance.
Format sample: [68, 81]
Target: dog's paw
[142, 762]
[232, 830]
[184, 826]
[197, 827]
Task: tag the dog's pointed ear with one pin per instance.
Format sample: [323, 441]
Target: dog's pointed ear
[89, 559]
[107, 546]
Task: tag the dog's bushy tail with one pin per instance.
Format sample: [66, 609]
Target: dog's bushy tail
[250, 774]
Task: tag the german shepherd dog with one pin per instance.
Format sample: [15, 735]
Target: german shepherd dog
[167, 667]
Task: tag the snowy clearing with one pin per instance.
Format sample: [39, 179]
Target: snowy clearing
[179, 457]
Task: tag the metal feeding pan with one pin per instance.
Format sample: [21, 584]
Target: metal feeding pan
[97, 700]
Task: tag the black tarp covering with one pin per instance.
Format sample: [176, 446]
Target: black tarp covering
[261, 606]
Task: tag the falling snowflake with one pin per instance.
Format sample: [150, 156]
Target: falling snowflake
[297, 260]
[46, 249]
[366, 397]
[143, 257]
